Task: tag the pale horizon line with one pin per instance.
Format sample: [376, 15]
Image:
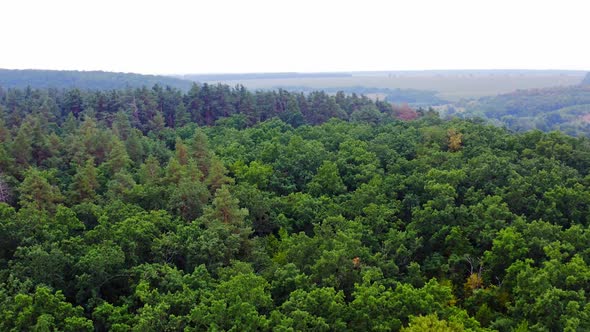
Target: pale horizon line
[413, 70]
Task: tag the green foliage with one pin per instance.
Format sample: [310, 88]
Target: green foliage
[284, 216]
[431, 323]
[42, 310]
[85, 183]
[37, 192]
[327, 181]
[556, 108]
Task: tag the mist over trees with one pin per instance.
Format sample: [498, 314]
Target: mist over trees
[566, 109]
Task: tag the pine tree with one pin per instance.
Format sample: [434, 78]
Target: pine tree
[188, 198]
[22, 147]
[226, 209]
[54, 149]
[150, 172]
[4, 132]
[96, 142]
[36, 191]
[6, 160]
[40, 147]
[85, 183]
[181, 116]
[117, 158]
[226, 220]
[157, 124]
[173, 171]
[121, 125]
[70, 126]
[121, 183]
[217, 176]
[181, 152]
[45, 114]
[200, 151]
[135, 147]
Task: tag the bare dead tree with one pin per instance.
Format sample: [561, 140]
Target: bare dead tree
[474, 264]
[4, 191]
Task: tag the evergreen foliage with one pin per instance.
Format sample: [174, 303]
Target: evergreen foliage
[225, 209]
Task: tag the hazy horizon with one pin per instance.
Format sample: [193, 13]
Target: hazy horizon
[180, 74]
[259, 36]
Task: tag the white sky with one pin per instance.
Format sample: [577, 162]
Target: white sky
[216, 36]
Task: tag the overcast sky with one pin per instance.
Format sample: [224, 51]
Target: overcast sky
[219, 36]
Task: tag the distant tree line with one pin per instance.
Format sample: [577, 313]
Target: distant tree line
[258, 76]
[558, 108]
[418, 98]
[158, 107]
[96, 80]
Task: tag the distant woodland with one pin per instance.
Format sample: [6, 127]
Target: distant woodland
[218, 208]
[95, 80]
[565, 108]
[416, 98]
[561, 108]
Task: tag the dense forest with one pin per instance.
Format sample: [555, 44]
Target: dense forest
[98, 80]
[228, 210]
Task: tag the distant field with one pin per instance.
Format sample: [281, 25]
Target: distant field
[450, 85]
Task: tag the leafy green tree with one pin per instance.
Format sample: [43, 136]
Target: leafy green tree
[113, 318]
[220, 235]
[42, 310]
[256, 173]
[327, 181]
[188, 199]
[367, 114]
[98, 269]
[321, 309]
[289, 211]
[356, 164]
[431, 323]
[237, 303]
[48, 266]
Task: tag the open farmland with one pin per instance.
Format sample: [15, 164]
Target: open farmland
[451, 85]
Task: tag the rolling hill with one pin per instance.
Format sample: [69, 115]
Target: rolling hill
[557, 108]
[93, 80]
